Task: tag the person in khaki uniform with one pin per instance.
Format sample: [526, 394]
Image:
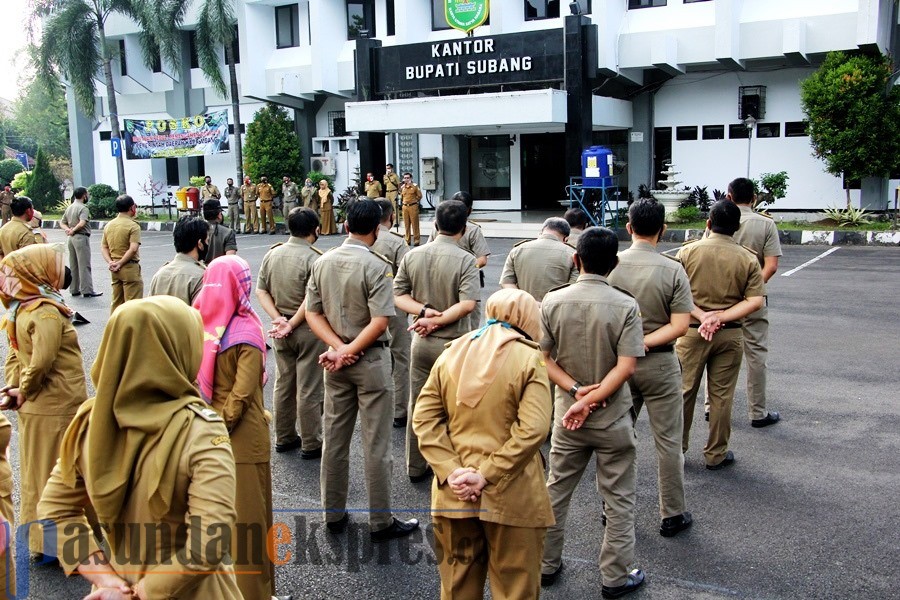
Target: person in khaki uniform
[538, 266]
[438, 285]
[18, 233]
[6, 198]
[209, 191]
[373, 188]
[182, 277]
[146, 412]
[233, 196]
[266, 194]
[231, 377]
[308, 195]
[289, 194]
[251, 217]
[7, 514]
[489, 478]
[410, 196]
[44, 372]
[578, 221]
[391, 245]
[727, 285]
[473, 242]
[76, 223]
[119, 246]
[348, 306]
[594, 332]
[222, 240]
[663, 293]
[391, 184]
[281, 290]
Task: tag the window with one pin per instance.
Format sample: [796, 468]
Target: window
[391, 25]
[489, 167]
[438, 18]
[550, 9]
[192, 43]
[738, 131]
[337, 123]
[713, 132]
[156, 67]
[796, 129]
[172, 171]
[287, 26]
[236, 46]
[105, 136]
[360, 19]
[768, 130]
[123, 64]
[645, 3]
[683, 134]
[691, 1]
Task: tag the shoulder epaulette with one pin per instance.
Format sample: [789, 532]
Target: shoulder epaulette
[749, 249]
[686, 242]
[529, 343]
[559, 287]
[520, 243]
[382, 257]
[571, 246]
[205, 413]
[764, 214]
[670, 257]
[399, 235]
[273, 246]
[623, 290]
[471, 222]
[316, 250]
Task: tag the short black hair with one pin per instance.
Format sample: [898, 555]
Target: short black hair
[20, 205]
[576, 217]
[465, 198]
[391, 165]
[597, 248]
[124, 203]
[211, 209]
[724, 217]
[189, 231]
[363, 217]
[387, 208]
[741, 190]
[451, 216]
[302, 221]
[558, 225]
[80, 192]
[646, 216]
[410, 175]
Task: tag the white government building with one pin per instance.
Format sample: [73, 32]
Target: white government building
[506, 113]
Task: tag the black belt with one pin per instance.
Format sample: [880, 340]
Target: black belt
[729, 325]
[655, 349]
[379, 344]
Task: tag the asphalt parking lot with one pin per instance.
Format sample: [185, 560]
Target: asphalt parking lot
[809, 510]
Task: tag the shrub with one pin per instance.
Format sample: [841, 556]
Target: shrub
[8, 169]
[847, 217]
[101, 190]
[20, 181]
[43, 188]
[271, 147]
[102, 203]
[198, 181]
[686, 214]
[316, 177]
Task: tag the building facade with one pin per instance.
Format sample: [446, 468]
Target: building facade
[506, 112]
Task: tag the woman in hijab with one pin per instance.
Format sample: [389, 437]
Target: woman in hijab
[480, 420]
[44, 371]
[326, 206]
[149, 455]
[231, 379]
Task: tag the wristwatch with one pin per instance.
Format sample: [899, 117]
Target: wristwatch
[422, 312]
[574, 389]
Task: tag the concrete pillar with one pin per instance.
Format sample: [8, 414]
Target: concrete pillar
[81, 139]
[640, 154]
[371, 143]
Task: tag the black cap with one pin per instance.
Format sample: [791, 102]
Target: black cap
[211, 205]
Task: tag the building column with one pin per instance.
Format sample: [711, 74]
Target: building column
[81, 137]
[580, 116]
[371, 145]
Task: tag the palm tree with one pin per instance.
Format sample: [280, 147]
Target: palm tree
[74, 47]
[215, 28]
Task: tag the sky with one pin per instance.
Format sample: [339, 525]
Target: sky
[15, 37]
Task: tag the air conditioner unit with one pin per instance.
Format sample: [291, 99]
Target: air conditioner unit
[322, 164]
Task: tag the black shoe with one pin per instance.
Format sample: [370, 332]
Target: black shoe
[603, 519]
[770, 419]
[311, 454]
[672, 526]
[76, 294]
[397, 529]
[340, 525]
[93, 295]
[288, 446]
[548, 579]
[635, 580]
[428, 474]
[399, 422]
[706, 416]
[726, 462]
[288, 597]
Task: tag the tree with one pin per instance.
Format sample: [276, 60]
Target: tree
[74, 47]
[43, 188]
[8, 169]
[272, 148]
[854, 116]
[41, 119]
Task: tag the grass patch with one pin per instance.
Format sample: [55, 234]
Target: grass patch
[825, 225]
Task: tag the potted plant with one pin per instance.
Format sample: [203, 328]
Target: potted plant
[773, 186]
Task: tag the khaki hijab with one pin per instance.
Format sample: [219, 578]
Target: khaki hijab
[474, 360]
[144, 377]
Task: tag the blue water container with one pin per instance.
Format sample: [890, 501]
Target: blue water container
[596, 166]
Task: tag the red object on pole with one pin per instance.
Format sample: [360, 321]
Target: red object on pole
[193, 197]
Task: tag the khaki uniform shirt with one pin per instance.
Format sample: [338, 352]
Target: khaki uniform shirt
[351, 285]
[501, 436]
[538, 266]
[14, 235]
[373, 189]
[238, 397]
[221, 240]
[248, 193]
[573, 237]
[75, 214]
[204, 490]
[285, 271]
[390, 245]
[472, 240]
[721, 272]
[659, 284]
[47, 367]
[210, 191]
[181, 277]
[119, 234]
[232, 194]
[290, 192]
[308, 194]
[410, 194]
[6, 198]
[265, 191]
[440, 274]
[588, 325]
[759, 233]
[391, 182]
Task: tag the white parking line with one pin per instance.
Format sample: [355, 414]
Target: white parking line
[809, 262]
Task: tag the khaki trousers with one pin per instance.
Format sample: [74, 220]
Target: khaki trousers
[6, 211]
[614, 451]
[400, 343]
[251, 218]
[266, 217]
[80, 264]
[234, 217]
[756, 349]
[7, 562]
[411, 223]
[721, 359]
[469, 549]
[289, 205]
[253, 505]
[299, 388]
[656, 383]
[127, 284]
[424, 352]
[362, 387]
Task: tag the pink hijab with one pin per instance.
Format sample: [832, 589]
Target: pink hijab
[228, 317]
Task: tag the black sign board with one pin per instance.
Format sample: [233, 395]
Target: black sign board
[533, 56]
